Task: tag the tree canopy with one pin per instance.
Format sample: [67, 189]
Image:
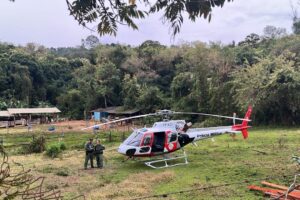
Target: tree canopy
[110, 14]
[214, 78]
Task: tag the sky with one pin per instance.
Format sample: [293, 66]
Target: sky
[47, 22]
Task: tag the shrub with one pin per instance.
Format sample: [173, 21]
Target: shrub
[79, 145]
[53, 151]
[62, 146]
[37, 145]
[63, 172]
[47, 170]
[23, 150]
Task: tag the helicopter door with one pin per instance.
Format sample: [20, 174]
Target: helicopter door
[146, 143]
[171, 141]
[159, 142]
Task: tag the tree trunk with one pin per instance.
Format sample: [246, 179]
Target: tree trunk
[105, 101]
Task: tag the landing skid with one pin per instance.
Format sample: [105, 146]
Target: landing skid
[165, 162]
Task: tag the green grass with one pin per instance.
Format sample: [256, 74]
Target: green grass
[72, 140]
[224, 161]
[228, 161]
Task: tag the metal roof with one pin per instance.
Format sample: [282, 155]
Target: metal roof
[4, 113]
[13, 111]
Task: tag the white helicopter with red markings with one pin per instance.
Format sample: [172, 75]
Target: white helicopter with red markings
[168, 136]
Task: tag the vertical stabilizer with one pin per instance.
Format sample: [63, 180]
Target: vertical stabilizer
[244, 126]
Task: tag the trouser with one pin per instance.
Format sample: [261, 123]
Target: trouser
[99, 159]
[88, 156]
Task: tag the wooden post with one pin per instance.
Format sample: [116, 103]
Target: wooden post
[85, 118]
[109, 137]
[7, 127]
[123, 136]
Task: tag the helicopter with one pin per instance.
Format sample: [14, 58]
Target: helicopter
[168, 136]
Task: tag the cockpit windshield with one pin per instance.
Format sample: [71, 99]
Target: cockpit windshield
[134, 139]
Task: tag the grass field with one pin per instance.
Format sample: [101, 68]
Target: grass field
[226, 160]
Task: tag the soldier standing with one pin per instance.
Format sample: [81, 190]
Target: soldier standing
[99, 154]
[89, 150]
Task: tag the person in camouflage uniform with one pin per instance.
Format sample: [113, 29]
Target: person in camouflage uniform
[89, 151]
[98, 152]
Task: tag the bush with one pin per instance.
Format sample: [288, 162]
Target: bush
[62, 146]
[23, 150]
[47, 170]
[78, 146]
[53, 151]
[37, 145]
[63, 172]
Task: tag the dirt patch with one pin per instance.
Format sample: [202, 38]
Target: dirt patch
[135, 185]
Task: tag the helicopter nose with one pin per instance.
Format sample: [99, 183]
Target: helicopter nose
[130, 152]
[122, 149]
[126, 150]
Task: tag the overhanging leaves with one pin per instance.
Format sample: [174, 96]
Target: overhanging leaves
[109, 14]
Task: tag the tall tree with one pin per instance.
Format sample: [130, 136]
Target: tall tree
[91, 41]
[131, 91]
[150, 99]
[272, 86]
[296, 25]
[274, 32]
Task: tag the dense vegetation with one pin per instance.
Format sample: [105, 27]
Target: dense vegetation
[261, 70]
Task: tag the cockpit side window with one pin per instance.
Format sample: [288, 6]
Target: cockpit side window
[147, 140]
[172, 137]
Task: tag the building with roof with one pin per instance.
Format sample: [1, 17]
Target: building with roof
[5, 113]
[20, 111]
[24, 116]
[6, 119]
[112, 112]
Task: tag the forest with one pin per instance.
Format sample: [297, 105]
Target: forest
[262, 71]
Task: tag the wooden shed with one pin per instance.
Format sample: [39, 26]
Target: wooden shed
[6, 119]
[33, 115]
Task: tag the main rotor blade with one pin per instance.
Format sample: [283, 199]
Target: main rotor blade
[212, 115]
[120, 120]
